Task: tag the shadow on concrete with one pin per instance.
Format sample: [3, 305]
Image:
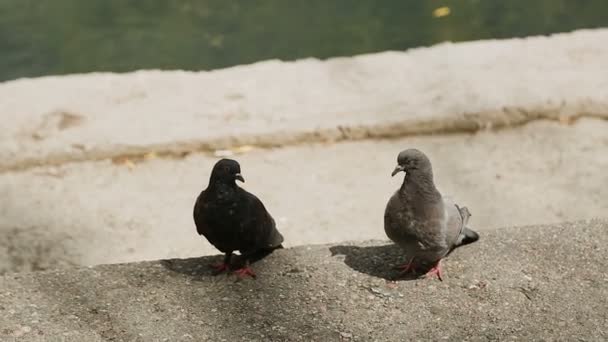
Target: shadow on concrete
[34, 248]
[199, 268]
[83, 299]
[377, 261]
[194, 267]
[268, 308]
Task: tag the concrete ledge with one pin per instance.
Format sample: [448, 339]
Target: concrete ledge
[530, 283]
[102, 212]
[445, 88]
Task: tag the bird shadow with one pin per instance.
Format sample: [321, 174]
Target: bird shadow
[376, 261]
[200, 267]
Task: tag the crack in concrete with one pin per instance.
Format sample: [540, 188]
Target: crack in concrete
[504, 118]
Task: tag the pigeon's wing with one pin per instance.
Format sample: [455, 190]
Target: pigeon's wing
[457, 232]
[419, 232]
[216, 235]
[454, 223]
[397, 221]
[259, 228]
[222, 224]
[202, 227]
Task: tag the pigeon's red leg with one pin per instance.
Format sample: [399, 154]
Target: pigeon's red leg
[436, 270]
[222, 266]
[245, 271]
[407, 267]
[219, 267]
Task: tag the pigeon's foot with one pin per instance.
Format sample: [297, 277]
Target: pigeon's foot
[436, 270]
[219, 267]
[406, 268]
[245, 272]
[222, 266]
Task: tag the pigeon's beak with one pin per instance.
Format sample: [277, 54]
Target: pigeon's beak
[397, 169]
[238, 176]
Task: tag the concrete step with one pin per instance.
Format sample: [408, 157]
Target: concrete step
[104, 212]
[525, 283]
[446, 88]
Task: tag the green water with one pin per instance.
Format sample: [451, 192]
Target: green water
[43, 37]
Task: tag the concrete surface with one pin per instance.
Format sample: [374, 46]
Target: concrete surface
[545, 283]
[449, 87]
[102, 212]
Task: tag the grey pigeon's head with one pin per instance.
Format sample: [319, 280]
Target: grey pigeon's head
[226, 171]
[412, 161]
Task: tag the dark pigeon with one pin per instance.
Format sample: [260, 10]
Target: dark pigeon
[233, 219]
[424, 224]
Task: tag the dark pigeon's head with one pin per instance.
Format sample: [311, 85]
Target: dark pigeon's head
[227, 171]
[412, 161]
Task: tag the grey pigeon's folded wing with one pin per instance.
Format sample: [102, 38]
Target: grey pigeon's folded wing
[458, 234]
[455, 223]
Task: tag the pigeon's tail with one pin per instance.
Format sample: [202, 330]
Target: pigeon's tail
[469, 236]
[262, 253]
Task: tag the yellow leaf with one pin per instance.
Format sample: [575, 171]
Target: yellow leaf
[130, 165]
[242, 149]
[441, 12]
[150, 155]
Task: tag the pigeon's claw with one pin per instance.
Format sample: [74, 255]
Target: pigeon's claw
[245, 272]
[406, 268]
[436, 270]
[219, 267]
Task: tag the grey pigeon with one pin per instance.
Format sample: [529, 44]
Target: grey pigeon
[424, 224]
[232, 219]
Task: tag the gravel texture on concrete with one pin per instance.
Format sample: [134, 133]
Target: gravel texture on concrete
[542, 283]
[104, 212]
[448, 87]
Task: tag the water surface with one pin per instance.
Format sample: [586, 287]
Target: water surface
[39, 37]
